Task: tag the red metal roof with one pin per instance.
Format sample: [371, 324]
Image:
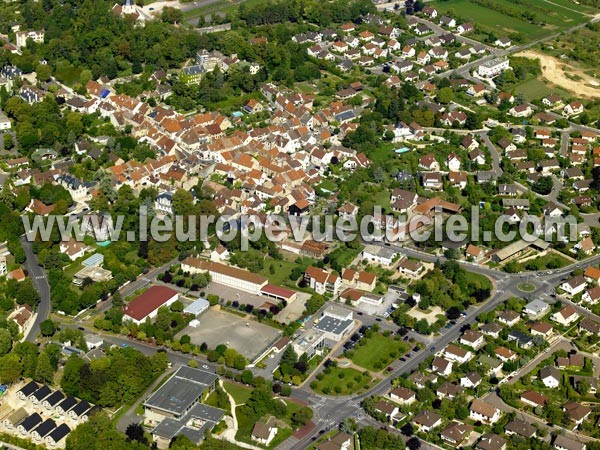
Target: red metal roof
[278, 291]
[149, 301]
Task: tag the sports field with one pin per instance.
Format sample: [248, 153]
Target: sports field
[507, 17]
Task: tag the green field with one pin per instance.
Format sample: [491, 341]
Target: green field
[556, 17]
[67, 73]
[240, 393]
[340, 381]
[378, 351]
[536, 89]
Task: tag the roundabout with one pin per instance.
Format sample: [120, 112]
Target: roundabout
[526, 287]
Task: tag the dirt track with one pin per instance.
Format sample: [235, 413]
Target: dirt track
[553, 71]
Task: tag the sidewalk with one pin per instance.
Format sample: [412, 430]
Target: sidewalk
[232, 428]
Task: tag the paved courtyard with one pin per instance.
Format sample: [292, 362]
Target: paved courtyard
[248, 337]
[230, 294]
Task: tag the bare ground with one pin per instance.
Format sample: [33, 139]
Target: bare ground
[553, 70]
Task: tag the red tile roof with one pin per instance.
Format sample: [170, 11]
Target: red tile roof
[149, 301]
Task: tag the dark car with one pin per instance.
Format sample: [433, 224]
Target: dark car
[378, 320]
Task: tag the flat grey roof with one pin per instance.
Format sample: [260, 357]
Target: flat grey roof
[494, 62]
[330, 324]
[197, 307]
[536, 306]
[169, 428]
[181, 390]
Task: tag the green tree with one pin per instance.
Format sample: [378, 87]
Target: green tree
[445, 95]
[10, 368]
[47, 327]
[5, 341]
[8, 141]
[44, 372]
[43, 72]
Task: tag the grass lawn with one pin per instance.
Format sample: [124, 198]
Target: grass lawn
[536, 89]
[341, 381]
[66, 73]
[212, 400]
[378, 351]
[551, 261]
[526, 287]
[280, 274]
[327, 185]
[240, 393]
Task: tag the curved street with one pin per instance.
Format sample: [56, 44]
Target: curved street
[329, 411]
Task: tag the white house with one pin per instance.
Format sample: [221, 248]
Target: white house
[484, 412]
[383, 256]
[550, 376]
[574, 285]
[263, 433]
[565, 316]
[441, 366]
[493, 68]
[403, 395]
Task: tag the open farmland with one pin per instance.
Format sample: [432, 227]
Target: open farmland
[514, 17]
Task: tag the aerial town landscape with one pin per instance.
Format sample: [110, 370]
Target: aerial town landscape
[181, 184]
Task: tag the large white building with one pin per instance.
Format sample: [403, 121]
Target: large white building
[227, 275]
[335, 323]
[493, 68]
[35, 35]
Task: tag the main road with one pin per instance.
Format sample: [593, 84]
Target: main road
[329, 411]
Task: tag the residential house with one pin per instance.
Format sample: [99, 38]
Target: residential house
[263, 433]
[456, 433]
[441, 366]
[550, 376]
[483, 411]
[427, 421]
[322, 281]
[534, 399]
[402, 395]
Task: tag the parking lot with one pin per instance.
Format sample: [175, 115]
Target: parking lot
[232, 295]
[248, 337]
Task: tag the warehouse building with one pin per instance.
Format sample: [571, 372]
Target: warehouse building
[146, 305]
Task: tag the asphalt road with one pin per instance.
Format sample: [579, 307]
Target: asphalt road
[139, 283]
[329, 411]
[40, 282]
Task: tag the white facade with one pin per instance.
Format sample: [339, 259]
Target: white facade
[491, 69]
[35, 36]
[227, 275]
